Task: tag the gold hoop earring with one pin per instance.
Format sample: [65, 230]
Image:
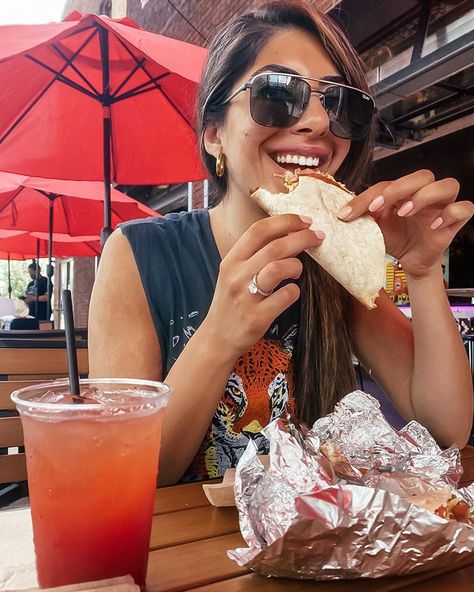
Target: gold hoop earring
[220, 165]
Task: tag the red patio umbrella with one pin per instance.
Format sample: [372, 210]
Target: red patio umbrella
[56, 206]
[97, 98]
[18, 245]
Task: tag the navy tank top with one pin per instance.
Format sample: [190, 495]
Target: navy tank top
[178, 262]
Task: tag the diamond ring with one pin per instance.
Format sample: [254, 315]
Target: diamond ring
[254, 288]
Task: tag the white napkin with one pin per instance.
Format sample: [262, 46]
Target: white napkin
[17, 554]
[17, 560]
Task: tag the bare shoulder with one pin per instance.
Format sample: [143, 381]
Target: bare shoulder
[122, 337]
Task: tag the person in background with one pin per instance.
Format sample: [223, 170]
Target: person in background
[225, 306]
[37, 286]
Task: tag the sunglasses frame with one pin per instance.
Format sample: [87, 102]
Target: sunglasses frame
[321, 93]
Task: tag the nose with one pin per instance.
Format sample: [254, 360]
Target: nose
[315, 120]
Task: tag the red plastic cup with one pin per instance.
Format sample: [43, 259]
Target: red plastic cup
[92, 474]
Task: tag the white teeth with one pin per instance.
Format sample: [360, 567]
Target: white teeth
[307, 161]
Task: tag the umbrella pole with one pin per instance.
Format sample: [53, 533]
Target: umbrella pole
[37, 274]
[106, 125]
[9, 278]
[49, 270]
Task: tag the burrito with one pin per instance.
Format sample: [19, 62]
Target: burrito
[352, 252]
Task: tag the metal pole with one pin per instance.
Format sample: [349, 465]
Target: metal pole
[68, 275]
[37, 274]
[206, 193]
[422, 30]
[106, 126]
[190, 196]
[9, 278]
[49, 270]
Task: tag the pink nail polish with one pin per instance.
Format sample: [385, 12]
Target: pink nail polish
[376, 203]
[320, 234]
[405, 209]
[306, 219]
[437, 223]
[344, 212]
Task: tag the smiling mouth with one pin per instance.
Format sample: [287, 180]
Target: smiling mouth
[290, 162]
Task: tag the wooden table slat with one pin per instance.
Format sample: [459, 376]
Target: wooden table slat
[195, 524]
[180, 497]
[194, 564]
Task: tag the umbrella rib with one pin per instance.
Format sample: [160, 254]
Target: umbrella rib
[143, 87]
[46, 88]
[27, 110]
[127, 78]
[177, 110]
[11, 201]
[61, 78]
[66, 215]
[76, 70]
[138, 62]
[69, 62]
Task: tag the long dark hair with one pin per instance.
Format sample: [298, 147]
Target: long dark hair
[322, 364]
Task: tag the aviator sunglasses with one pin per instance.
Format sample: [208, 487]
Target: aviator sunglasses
[280, 100]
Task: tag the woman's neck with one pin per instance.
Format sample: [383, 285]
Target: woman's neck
[230, 219]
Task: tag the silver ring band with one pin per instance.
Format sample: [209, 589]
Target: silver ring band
[254, 288]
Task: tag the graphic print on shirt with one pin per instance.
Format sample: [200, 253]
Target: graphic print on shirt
[257, 392]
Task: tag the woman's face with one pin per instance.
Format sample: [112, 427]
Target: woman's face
[251, 150]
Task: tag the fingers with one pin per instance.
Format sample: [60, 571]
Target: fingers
[405, 196]
[272, 306]
[264, 231]
[273, 274]
[285, 247]
[454, 216]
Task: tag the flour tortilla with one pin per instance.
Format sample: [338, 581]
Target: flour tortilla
[352, 252]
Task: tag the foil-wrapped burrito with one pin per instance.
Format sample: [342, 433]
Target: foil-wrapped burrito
[352, 498]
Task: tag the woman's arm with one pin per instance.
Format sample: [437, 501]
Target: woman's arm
[122, 339]
[421, 365]
[123, 342]
[236, 320]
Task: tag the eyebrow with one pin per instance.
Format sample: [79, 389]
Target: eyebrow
[287, 70]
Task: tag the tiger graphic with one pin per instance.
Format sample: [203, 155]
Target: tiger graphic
[257, 392]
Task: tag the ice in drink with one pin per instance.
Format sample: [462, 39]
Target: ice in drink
[92, 471]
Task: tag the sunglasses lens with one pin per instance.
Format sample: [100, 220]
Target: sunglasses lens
[350, 112]
[278, 100]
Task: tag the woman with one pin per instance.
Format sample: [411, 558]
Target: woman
[262, 325]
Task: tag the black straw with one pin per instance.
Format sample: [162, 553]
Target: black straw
[71, 345]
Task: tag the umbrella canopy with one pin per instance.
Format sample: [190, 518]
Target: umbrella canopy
[26, 203]
[19, 245]
[97, 98]
[71, 208]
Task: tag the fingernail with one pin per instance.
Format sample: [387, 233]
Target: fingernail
[376, 204]
[406, 208]
[306, 219]
[344, 212]
[320, 234]
[437, 223]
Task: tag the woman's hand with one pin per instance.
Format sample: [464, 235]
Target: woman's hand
[237, 318]
[418, 216]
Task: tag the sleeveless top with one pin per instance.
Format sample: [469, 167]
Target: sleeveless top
[178, 263]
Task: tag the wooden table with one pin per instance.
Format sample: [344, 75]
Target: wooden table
[190, 539]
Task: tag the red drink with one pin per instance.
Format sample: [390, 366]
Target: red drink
[92, 471]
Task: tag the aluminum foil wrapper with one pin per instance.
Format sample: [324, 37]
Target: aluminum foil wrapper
[331, 502]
